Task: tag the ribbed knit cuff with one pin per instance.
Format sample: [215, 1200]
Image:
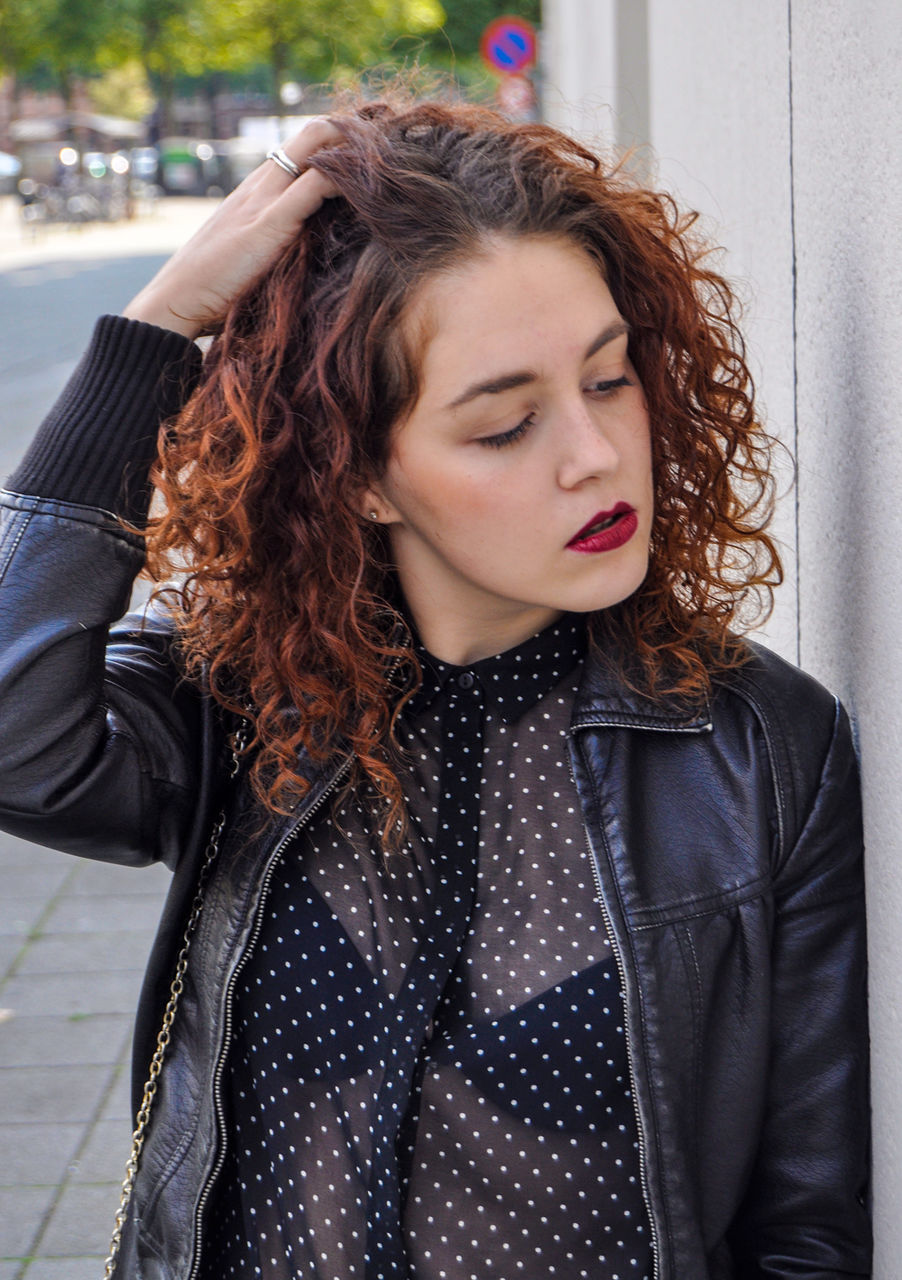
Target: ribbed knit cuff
[98, 441]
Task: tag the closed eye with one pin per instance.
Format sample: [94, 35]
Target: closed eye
[605, 388]
[509, 437]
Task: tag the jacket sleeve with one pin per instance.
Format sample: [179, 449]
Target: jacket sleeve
[806, 1213]
[99, 743]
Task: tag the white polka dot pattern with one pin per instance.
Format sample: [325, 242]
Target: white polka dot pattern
[428, 1076]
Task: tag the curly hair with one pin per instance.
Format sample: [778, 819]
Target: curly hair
[287, 600]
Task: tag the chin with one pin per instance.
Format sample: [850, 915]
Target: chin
[611, 594]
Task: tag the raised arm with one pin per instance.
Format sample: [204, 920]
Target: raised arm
[101, 743]
[238, 243]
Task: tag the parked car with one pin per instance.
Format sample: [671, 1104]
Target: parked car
[145, 162]
[10, 168]
[192, 167]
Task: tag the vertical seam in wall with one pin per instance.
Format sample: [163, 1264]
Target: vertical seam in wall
[795, 366]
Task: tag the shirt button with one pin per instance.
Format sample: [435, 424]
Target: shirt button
[466, 681]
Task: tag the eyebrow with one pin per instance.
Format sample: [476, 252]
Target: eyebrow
[508, 381]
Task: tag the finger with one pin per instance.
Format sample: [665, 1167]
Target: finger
[317, 133]
[301, 199]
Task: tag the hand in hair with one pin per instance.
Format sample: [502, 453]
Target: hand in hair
[240, 240]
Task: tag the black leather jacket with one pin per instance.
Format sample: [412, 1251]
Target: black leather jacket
[727, 847]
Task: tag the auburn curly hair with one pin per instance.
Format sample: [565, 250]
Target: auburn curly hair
[288, 602]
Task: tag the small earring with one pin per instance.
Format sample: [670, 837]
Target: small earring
[373, 515]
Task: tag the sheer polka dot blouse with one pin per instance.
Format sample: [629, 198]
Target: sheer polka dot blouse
[428, 1074]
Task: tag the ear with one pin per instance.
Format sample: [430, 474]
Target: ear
[375, 507]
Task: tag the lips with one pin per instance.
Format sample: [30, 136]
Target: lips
[606, 530]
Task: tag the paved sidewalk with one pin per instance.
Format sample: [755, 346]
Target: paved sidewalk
[74, 936]
[160, 229]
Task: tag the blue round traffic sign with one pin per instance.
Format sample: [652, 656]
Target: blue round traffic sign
[509, 44]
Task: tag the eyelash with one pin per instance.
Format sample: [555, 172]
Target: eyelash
[509, 437]
[517, 432]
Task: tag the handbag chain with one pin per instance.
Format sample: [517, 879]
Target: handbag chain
[237, 742]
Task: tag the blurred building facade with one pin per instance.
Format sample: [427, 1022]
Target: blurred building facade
[778, 121]
[214, 115]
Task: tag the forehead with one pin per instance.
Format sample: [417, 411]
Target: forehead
[514, 299]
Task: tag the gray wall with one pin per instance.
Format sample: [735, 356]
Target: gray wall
[780, 122]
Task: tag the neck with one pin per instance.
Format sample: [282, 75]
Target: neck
[462, 639]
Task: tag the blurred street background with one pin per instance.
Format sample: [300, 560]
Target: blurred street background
[53, 285]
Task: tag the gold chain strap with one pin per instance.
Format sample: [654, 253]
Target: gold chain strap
[238, 742]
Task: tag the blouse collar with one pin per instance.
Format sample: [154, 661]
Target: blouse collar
[512, 681]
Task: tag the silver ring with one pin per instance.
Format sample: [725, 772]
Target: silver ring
[283, 161]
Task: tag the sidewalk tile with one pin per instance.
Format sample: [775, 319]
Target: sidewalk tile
[22, 853]
[37, 1154]
[21, 1212]
[18, 918]
[10, 946]
[42, 994]
[60, 1040]
[67, 1094]
[118, 1103]
[35, 882]
[105, 879]
[104, 914]
[87, 952]
[104, 1156]
[65, 1268]
[10, 1270]
[82, 1221]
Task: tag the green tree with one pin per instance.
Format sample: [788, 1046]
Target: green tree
[123, 91]
[315, 41]
[65, 38]
[73, 38]
[319, 40]
[21, 25]
[172, 39]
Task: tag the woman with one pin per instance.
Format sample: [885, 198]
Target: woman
[531, 940]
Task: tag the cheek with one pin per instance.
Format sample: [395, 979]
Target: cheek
[446, 494]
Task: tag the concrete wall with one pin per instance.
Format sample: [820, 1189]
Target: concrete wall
[779, 121]
[848, 219]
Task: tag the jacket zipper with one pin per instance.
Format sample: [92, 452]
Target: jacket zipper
[621, 970]
[236, 973]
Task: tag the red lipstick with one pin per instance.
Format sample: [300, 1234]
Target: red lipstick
[607, 530]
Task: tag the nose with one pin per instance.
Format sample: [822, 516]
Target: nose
[585, 449]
